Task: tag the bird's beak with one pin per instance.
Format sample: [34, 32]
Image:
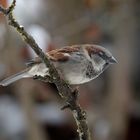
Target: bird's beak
[112, 60]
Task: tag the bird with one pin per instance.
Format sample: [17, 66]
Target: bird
[77, 64]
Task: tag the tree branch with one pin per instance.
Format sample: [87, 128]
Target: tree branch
[65, 91]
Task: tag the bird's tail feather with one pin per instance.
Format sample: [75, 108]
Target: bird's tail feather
[15, 77]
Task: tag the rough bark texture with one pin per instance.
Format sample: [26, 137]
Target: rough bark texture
[65, 91]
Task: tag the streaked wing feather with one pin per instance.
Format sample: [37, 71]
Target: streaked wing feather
[61, 55]
[32, 62]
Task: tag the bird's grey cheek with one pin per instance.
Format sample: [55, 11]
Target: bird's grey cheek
[95, 58]
[101, 65]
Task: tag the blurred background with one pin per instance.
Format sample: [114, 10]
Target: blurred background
[30, 110]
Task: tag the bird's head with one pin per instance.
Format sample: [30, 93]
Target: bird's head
[100, 57]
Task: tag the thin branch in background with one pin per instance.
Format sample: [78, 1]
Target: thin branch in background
[65, 91]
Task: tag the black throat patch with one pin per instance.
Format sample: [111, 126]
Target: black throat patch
[90, 71]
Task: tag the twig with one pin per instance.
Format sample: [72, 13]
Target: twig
[65, 91]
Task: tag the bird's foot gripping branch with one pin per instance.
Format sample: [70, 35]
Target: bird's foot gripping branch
[65, 91]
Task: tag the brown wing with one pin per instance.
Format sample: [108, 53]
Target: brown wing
[61, 55]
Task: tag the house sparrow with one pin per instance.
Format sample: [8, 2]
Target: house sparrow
[77, 64]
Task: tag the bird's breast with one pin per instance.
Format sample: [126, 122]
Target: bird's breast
[78, 73]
